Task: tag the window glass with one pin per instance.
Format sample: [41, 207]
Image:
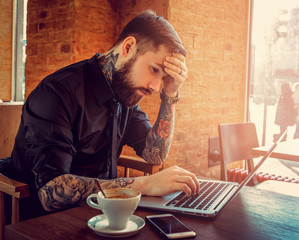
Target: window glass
[274, 70]
[19, 50]
[274, 61]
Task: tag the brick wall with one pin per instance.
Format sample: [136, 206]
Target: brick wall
[213, 32]
[49, 39]
[6, 12]
[95, 27]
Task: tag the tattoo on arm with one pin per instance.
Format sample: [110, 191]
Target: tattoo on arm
[68, 190]
[159, 138]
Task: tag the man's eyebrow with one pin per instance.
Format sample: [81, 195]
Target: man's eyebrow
[161, 66]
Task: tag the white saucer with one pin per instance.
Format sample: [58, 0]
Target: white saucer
[99, 224]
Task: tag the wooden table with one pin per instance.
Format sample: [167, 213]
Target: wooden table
[288, 150]
[253, 214]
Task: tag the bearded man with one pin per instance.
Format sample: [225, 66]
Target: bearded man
[76, 121]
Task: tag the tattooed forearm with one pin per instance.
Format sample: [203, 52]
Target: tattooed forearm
[65, 191]
[159, 138]
[68, 190]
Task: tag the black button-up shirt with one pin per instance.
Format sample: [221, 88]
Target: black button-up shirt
[64, 126]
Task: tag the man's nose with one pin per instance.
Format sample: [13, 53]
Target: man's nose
[155, 84]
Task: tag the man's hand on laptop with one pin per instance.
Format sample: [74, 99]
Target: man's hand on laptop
[169, 180]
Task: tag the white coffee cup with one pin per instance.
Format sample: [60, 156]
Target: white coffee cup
[118, 205]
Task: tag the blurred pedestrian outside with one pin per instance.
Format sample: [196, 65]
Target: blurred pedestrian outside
[296, 105]
[285, 112]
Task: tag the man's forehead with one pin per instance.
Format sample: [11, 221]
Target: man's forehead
[158, 55]
[144, 49]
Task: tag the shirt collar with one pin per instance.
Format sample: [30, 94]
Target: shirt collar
[100, 87]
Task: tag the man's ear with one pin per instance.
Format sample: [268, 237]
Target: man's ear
[128, 46]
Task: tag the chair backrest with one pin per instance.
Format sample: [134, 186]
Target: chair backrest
[10, 117]
[237, 140]
[236, 143]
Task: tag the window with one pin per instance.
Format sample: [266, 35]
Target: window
[19, 50]
[274, 65]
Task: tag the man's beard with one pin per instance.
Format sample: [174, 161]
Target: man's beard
[123, 88]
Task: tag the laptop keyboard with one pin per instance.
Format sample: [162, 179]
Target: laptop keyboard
[209, 192]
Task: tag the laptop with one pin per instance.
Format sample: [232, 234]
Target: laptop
[213, 197]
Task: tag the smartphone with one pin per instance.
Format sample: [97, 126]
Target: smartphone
[170, 227]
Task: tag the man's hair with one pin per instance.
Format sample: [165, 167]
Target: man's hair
[150, 32]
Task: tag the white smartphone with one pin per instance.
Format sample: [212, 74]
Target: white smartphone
[170, 227]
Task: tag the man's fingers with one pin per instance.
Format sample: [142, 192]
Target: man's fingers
[172, 67]
[179, 56]
[188, 182]
[177, 71]
[185, 188]
[184, 176]
[175, 64]
[172, 179]
[176, 75]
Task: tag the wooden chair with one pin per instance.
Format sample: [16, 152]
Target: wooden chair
[16, 190]
[10, 116]
[236, 141]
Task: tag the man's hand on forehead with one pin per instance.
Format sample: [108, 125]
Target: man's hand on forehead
[175, 67]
